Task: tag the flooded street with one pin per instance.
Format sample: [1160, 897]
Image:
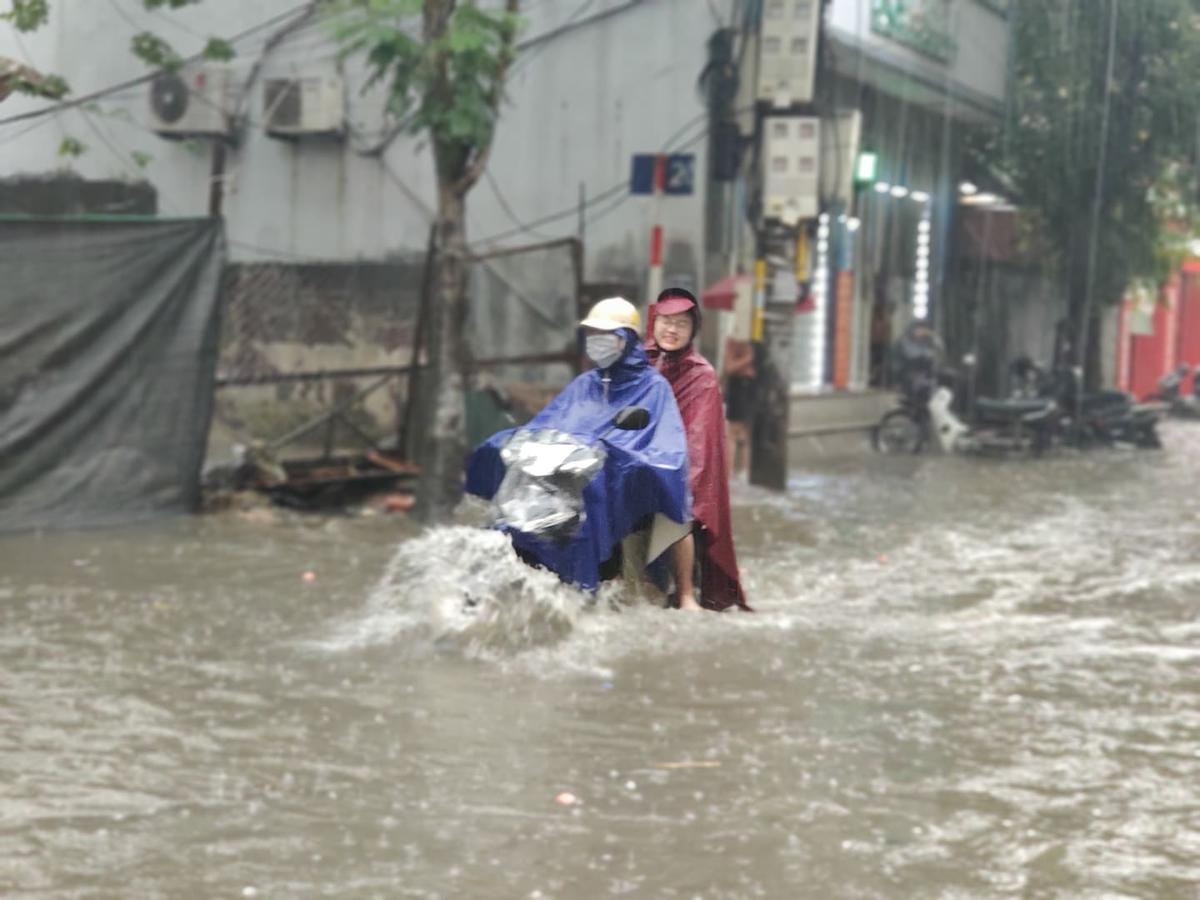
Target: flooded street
[965, 679]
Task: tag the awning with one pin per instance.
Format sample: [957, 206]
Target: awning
[722, 294]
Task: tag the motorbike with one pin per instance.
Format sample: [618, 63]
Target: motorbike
[542, 503]
[1107, 418]
[1170, 392]
[926, 418]
[546, 471]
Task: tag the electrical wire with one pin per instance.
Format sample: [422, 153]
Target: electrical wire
[609, 192]
[614, 192]
[17, 135]
[126, 161]
[143, 79]
[491, 180]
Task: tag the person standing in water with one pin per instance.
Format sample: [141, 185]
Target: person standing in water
[674, 324]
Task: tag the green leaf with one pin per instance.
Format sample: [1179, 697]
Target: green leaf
[28, 15]
[219, 49]
[448, 85]
[52, 87]
[140, 159]
[71, 147]
[154, 51]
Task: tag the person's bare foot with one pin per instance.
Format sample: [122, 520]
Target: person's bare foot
[688, 602]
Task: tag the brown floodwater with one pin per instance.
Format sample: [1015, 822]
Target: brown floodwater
[966, 678]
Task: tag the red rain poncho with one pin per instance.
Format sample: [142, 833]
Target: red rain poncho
[698, 393]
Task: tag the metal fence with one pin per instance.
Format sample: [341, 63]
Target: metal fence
[315, 358]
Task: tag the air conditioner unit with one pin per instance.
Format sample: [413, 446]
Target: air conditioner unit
[791, 164]
[295, 107]
[788, 51]
[196, 101]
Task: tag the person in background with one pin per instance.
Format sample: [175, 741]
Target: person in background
[739, 402]
[674, 324]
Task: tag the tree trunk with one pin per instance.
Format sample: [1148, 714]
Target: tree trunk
[443, 422]
[458, 163]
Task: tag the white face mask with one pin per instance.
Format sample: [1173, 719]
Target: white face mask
[603, 349]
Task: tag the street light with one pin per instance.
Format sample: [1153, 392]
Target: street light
[921, 279]
[820, 292]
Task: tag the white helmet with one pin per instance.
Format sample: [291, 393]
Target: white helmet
[611, 314]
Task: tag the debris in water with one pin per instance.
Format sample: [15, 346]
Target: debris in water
[565, 798]
[309, 577]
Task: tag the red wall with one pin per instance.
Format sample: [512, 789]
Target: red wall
[1187, 332]
[1142, 359]
[1153, 355]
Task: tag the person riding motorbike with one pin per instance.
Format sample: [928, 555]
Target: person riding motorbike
[643, 484]
[916, 358]
[670, 344]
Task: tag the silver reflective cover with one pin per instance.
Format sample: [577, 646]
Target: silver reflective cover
[542, 490]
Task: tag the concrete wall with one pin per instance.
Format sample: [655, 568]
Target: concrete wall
[593, 84]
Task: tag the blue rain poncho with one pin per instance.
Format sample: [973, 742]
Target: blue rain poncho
[644, 473]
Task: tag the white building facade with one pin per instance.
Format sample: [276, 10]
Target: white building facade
[593, 84]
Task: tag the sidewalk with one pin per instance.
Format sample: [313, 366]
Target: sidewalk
[834, 422]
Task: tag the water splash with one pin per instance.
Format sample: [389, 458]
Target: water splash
[463, 589]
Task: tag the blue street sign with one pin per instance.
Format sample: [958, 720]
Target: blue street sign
[680, 174]
[641, 181]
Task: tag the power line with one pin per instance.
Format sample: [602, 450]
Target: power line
[17, 135]
[615, 195]
[609, 192]
[491, 180]
[542, 40]
[143, 79]
[172, 207]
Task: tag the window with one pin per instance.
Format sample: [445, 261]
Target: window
[779, 164]
[800, 46]
[808, 131]
[779, 130]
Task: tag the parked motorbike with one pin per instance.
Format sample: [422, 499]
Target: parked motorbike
[926, 419]
[1170, 392]
[1107, 417]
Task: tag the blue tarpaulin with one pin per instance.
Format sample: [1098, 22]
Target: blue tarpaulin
[645, 471]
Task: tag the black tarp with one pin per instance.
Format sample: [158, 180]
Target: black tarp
[108, 345]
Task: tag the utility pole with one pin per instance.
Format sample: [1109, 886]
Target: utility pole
[787, 144]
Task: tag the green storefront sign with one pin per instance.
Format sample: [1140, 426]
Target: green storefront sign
[921, 25]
